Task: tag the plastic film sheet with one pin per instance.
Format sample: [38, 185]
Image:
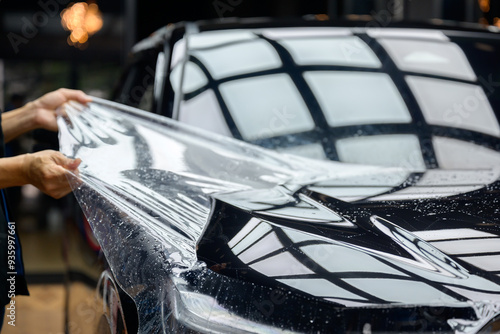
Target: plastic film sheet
[149, 186]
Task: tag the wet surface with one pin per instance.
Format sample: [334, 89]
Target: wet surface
[192, 223]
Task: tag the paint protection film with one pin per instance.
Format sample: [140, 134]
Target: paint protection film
[149, 187]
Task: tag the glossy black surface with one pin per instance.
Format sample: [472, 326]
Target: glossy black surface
[207, 234]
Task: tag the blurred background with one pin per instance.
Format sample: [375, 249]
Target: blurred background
[47, 44]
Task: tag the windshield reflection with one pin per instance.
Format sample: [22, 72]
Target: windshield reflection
[315, 91]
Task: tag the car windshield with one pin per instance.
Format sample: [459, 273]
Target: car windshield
[411, 98]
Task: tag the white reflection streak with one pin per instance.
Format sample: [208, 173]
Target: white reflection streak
[156, 227]
[182, 212]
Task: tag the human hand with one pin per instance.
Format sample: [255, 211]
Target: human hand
[47, 171]
[45, 106]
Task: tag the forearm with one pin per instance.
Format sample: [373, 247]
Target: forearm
[18, 122]
[46, 170]
[12, 171]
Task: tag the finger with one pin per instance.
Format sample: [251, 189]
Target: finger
[74, 164]
[58, 175]
[70, 164]
[63, 161]
[77, 95]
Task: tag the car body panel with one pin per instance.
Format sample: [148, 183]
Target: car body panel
[203, 233]
[210, 234]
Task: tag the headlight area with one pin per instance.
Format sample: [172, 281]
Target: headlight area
[186, 309]
[203, 301]
[206, 302]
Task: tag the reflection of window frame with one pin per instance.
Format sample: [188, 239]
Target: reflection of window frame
[329, 135]
[308, 268]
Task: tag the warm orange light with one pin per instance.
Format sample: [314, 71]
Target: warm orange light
[483, 21]
[83, 20]
[322, 17]
[484, 5]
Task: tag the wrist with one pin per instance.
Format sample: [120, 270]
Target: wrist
[26, 117]
[30, 113]
[25, 168]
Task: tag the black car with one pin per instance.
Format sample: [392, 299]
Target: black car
[379, 212]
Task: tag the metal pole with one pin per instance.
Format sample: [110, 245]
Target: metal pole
[469, 11]
[437, 10]
[333, 9]
[129, 33]
[406, 9]
[2, 85]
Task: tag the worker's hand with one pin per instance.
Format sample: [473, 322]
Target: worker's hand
[47, 171]
[45, 106]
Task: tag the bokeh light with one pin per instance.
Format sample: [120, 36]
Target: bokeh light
[484, 5]
[83, 20]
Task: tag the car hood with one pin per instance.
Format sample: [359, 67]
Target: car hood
[192, 223]
[382, 249]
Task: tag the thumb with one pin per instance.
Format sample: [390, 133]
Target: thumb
[73, 163]
[65, 162]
